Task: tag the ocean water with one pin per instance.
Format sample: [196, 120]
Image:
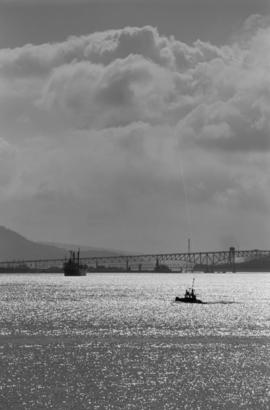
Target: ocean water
[119, 341]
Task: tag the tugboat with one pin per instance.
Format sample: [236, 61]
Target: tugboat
[190, 296]
[72, 266]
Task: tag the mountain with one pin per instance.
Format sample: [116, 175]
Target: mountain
[15, 246]
[86, 251]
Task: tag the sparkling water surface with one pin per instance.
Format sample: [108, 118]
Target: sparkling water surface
[119, 341]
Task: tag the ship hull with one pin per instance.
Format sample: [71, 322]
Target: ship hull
[74, 273]
[188, 300]
[73, 270]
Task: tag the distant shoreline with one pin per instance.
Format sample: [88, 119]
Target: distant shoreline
[135, 272]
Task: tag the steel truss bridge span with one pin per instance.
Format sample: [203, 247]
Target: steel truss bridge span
[141, 262]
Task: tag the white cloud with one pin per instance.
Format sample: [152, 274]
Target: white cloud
[127, 90]
[125, 119]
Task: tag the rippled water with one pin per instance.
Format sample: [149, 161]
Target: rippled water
[116, 341]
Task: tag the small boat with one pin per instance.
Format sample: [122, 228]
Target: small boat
[72, 266]
[190, 296]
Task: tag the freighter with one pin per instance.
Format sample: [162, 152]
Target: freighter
[72, 266]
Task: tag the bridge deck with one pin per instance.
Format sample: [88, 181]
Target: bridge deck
[214, 258]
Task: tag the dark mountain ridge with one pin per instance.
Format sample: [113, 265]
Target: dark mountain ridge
[14, 246]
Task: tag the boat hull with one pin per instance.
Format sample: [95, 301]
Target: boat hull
[188, 300]
[74, 273]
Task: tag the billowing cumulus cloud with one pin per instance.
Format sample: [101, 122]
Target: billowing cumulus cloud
[127, 90]
[106, 47]
[134, 74]
[128, 125]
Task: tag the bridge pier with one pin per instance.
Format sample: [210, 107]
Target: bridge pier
[232, 259]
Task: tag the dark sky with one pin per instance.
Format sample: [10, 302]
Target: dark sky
[188, 20]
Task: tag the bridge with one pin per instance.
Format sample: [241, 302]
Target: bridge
[163, 262]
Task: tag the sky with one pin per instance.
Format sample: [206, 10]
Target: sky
[136, 125]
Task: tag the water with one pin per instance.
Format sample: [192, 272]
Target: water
[116, 341]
